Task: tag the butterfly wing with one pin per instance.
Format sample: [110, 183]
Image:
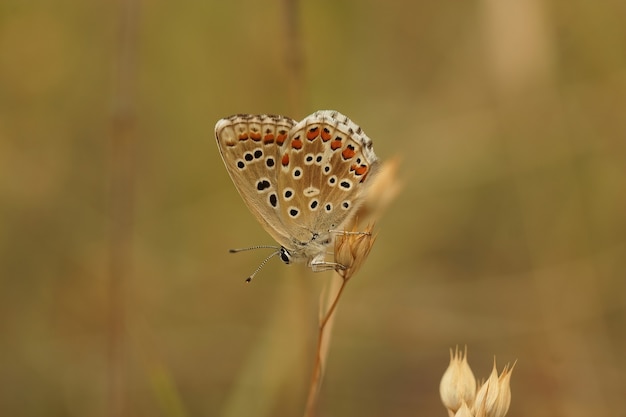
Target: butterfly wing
[324, 168]
[251, 147]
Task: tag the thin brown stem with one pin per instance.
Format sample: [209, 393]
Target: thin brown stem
[294, 59]
[122, 175]
[320, 355]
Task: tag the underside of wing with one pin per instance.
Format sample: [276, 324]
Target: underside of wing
[325, 167]
[251, 147]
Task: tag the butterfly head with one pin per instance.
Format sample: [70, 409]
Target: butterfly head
[285, 255]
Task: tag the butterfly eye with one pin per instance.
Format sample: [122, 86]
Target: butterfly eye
[285, 256]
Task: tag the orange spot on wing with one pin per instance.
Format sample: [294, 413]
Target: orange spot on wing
[348, 153]
[255, 136]
[296, 143]
[325, 135]
[336, 144]
[362, 170]
[280, 139]
[285, 160]
[243, 136]
[269, 138]
[312, 134]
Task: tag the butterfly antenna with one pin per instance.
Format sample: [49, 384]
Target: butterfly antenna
[262, 264]
[253, 248]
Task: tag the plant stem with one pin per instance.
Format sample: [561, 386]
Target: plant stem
[320, 355]
[122, 179]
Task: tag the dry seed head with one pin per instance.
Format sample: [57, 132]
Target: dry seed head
[487, 394]
[352, 249]
[458, 389]
[464, 411]
[384, 189]
[504, 398]
[494, 396]
[458, 385]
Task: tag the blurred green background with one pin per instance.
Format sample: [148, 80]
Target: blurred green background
[118, 297]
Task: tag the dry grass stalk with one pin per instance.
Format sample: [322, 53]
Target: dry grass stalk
[351, 250]
[122, 196]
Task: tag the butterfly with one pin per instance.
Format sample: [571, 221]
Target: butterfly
[302, 180]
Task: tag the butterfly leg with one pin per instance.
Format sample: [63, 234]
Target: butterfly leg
[319, 264]
[349, 233]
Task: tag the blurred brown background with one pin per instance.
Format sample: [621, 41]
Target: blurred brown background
[117, 293]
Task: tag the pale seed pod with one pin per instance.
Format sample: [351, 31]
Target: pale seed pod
[352, 249]
[458, 385]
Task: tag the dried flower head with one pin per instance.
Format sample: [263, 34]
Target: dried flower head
[464, 411]
[383, 190]
[458, 385]
[487, 394]
[494, 396]
[352, 249]
[459, 394]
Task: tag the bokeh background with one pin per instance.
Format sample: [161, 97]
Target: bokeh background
[117, 293]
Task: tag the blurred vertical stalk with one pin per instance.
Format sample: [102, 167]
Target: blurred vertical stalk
[122, 178]
[332, 292]
[521, 58]
[294, 63]
[281, 329]
[294, 59]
